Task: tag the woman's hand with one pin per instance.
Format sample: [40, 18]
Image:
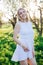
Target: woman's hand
[25, 48]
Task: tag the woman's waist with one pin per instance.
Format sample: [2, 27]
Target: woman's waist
[28, 37]
[25, 37]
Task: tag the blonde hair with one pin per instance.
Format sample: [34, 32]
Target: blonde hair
[19, 15]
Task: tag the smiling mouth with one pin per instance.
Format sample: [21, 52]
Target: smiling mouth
[24, 16]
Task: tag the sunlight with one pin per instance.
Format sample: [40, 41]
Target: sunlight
[33, 7]
[4, 19]
[38, 1]
[37, 14]
[1, 5]
[7, 9]
[31, 14]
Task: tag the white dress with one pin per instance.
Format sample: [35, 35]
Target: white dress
[26, 36]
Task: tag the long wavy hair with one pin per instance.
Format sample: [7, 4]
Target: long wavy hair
[19, 15]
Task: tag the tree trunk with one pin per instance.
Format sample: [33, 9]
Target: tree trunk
[0, 24]
[41, 21]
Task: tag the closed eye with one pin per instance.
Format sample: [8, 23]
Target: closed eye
[20, 13]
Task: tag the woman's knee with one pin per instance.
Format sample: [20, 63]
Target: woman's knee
[23, 62]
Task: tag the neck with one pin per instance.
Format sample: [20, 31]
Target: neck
[23, 20]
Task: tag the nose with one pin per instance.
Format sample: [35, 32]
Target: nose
[23, 13]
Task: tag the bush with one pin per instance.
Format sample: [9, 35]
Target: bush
[7, 48]
[39, 49]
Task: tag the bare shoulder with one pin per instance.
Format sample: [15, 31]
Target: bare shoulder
[17, 27]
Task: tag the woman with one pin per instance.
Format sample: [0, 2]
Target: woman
[23, 36]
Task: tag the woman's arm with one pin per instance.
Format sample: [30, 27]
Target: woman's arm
[16, 31]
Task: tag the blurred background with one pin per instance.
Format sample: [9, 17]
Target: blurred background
[8, 18]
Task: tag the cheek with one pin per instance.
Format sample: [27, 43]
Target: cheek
[20, 15]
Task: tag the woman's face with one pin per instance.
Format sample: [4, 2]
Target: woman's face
[22, 14]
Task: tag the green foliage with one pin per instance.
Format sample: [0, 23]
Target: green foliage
[8, 46]
[39, 49]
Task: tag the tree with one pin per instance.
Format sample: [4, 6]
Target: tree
[10, 10]
[36, 23]
[1, 14]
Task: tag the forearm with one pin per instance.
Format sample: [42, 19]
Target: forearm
[21, 44]
[17, 41]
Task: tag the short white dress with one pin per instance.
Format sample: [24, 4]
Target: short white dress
[26, 36]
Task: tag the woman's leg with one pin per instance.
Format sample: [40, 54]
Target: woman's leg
[32, 61]
[24, 62]
[29, 61]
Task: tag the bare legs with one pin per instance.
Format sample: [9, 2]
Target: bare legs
[32, 61]
[24, 62]
[29, 61]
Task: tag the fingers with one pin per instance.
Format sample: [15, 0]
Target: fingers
[26, 49]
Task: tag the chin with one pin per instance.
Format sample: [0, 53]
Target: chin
[24, 17]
